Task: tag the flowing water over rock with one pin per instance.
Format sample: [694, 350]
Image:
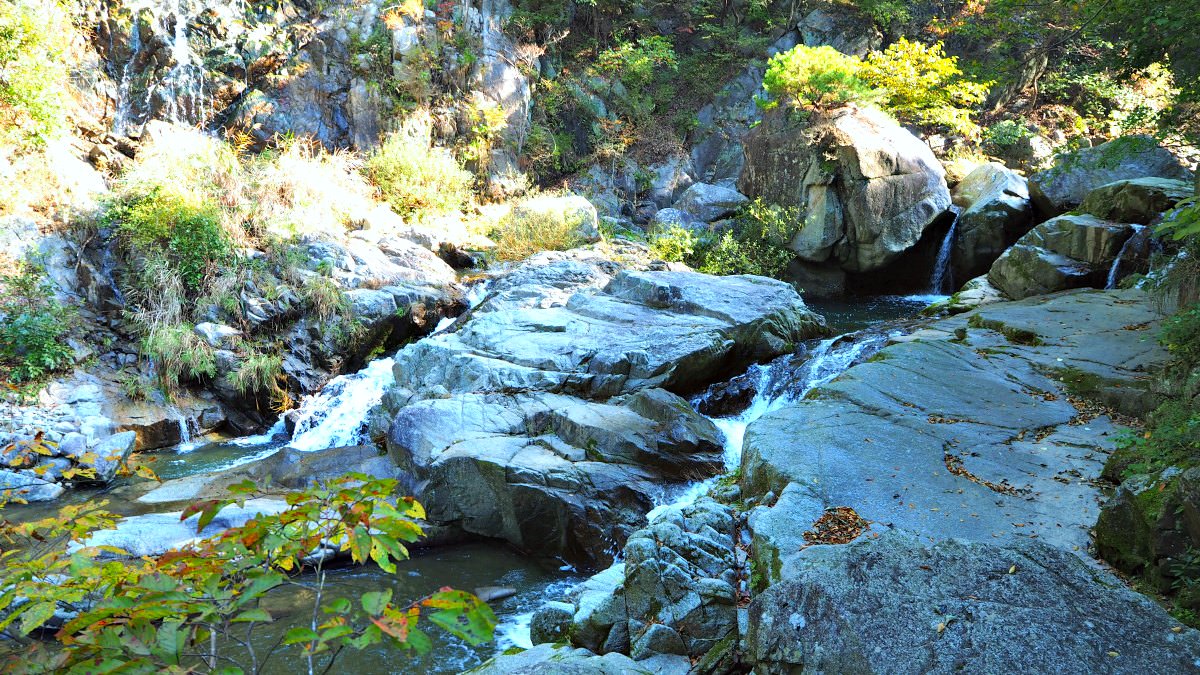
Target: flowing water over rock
[942, 274]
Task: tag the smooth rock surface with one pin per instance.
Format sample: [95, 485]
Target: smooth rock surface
[972, 439]
[897, 604]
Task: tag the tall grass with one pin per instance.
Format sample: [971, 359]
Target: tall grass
[415, 177]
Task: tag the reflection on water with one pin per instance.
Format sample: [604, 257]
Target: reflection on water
[465, 567]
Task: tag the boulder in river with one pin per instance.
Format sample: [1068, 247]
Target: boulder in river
[996, 212]
[866, 186]
[551, 419]
[1136, 200]
[1071, 251]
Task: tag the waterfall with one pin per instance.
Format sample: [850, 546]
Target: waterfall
[1114, 272]
[336, 415]
[941, 268]
[777, 384]
[180, 90]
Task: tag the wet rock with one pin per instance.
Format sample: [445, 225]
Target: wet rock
[974, 294]
[27, 486]
[548, 658]
[897, 604]
[865, 207]
[1071, 251]
[1065, 185]
[996, 212]
[157, 533]
[107, 456]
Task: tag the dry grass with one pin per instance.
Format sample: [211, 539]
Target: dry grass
[302, 189]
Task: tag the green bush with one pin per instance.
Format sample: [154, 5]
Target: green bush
[33, 69]
[643, 69]
[518, 237]
[415, 177]
[677, 244]
[815, 76]
[918, 83]
[1006, 133]
[33, 326]
[887, 14]
[189, 234]
[758, 243]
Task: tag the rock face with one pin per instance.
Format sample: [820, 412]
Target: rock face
[1064, 186]
[1139, 200]
[996, 212]
[867, 187]
[547, 418]
[898, 605]
[1072, 251]
[708, 203]
[971, 439]
[676, 593]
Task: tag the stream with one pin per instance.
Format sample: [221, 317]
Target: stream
[334, 416]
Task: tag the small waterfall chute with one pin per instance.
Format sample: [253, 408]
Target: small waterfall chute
[942, 275]
[1114, 272]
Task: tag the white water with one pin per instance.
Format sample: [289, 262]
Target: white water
[775, 386]
[1115, 271]
[941, 268]
[334, 416]
[181, 87]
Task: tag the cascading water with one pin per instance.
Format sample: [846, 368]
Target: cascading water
[177, 95]
[942, 275]
[1114, 272]
[776, 385]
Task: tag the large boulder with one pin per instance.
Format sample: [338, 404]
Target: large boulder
[1137, 200]
[1065, 185]
[897, 604]
[708, 203]
[1072, 251]
[868, 188]
[549, 419]
[963, 430]
[996, 211]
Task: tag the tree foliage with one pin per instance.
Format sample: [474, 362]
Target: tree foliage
[196, 608]
[915, 82]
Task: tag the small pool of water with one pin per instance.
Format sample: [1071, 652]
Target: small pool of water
[465, 567]
[194, 458]
[851, 314]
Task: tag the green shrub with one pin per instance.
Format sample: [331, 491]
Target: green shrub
[887, 14]
[1006, 133]
[415, 177]
[643, 69]
[33, 70]
[518, 237]
[257, 373]
[33, 326]
[815, 76]
[919, 84]
[677, 244]
[178, 354]
[188, 233]
[757, 244]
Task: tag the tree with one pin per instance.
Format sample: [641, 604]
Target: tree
[815, 76]
[195, 609]
[918, 83]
